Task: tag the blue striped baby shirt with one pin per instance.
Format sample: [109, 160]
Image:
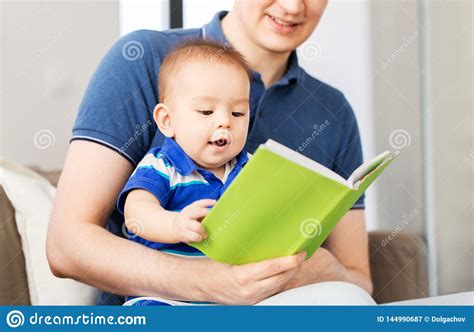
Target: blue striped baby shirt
[176, 181]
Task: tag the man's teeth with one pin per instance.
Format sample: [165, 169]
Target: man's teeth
[282, 22]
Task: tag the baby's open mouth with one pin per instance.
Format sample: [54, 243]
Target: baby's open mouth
[220, 142]
[221, 138]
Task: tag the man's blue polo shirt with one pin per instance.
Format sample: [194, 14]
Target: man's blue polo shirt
[298, 111]
[176, 181]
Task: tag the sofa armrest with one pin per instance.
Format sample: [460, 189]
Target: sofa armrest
[398, 265]
[13, 276]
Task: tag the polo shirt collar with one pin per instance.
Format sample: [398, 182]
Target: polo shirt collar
[213, 31]
[183, 163]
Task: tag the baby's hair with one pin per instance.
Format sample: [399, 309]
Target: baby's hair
[208, 52]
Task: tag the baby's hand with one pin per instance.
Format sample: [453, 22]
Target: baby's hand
[187, 223]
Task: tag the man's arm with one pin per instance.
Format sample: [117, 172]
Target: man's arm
[344, 256]
[79, 247]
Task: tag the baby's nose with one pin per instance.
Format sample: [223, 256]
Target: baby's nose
[224, 121]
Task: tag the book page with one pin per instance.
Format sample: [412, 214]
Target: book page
[367, 167]
[304, 161]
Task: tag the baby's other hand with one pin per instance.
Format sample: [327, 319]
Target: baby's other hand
[187, 224]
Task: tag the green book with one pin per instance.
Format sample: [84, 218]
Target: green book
[282, 203]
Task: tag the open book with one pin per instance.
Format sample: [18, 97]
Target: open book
[282, 203]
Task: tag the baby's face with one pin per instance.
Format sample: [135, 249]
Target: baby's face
[209, 110]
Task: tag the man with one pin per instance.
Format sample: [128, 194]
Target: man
[114, 129]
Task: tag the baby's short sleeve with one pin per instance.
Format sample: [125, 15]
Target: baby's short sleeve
[152, 174]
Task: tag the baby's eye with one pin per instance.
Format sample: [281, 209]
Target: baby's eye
[237, 114]
[205, 112]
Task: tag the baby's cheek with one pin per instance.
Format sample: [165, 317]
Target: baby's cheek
[239, 144]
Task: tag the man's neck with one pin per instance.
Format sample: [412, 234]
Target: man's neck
[271, 65]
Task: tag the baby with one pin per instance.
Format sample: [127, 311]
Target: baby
[204, 115]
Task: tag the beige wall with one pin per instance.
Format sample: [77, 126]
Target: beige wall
[49, 51]
[422, 58]
[396, 91]
[450, 99]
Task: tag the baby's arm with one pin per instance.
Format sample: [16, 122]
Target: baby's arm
[145, 217]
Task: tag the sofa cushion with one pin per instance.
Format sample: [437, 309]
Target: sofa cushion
[13, 281]
[32, 197]
[51, 176]
[398, 265]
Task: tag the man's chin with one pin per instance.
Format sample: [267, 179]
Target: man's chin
[279, 45]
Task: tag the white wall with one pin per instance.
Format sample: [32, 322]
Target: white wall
[422, 60]
[395, 48]
[199, 12]
[143, 14]
[49, 51]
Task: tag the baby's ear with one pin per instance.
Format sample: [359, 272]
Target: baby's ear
[162, 117]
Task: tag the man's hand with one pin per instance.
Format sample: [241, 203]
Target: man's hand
[322, 266]
[253, 282]
[344, 256]
[187, 224]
